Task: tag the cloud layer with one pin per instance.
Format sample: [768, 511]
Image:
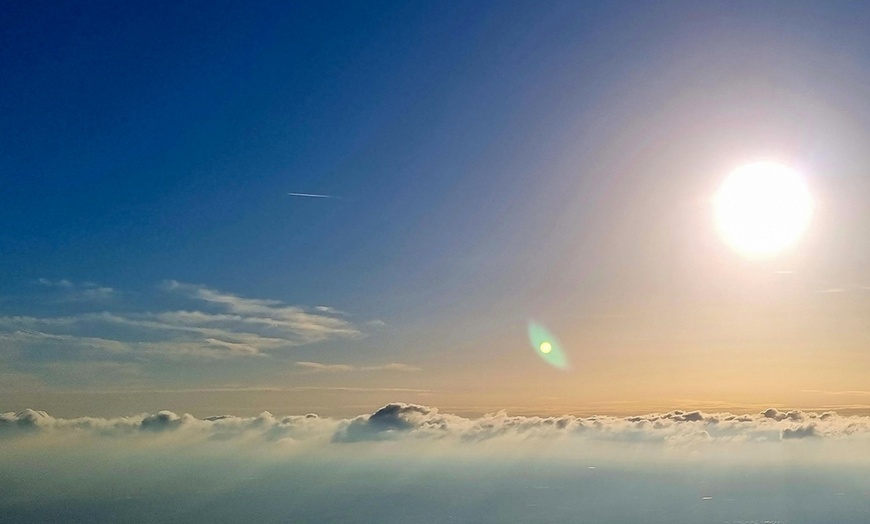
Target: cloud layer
[402, 422]
[414, 463]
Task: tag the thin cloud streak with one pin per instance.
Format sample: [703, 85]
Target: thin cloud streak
[77, 291]
[850, 393]
[244, 389]
[317, 367]
[63, 283]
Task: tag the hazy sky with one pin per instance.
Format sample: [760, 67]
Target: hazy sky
[326, 207]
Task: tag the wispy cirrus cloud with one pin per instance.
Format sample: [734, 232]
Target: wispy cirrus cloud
[306, 326]
[62, 283]
[77, 291]
[847, 393]
[317, 367]
[218, 324]
[392, 366]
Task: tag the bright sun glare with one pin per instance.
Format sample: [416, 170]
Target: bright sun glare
[762, 209]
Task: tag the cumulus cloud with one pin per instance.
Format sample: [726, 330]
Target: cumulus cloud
[188, 428]
[395, 420]
[162, 421]
[505, 468]
[412, 422]
[807, 431]
[219, 325]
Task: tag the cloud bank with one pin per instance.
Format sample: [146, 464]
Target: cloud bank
[411, 422]
[413, 463]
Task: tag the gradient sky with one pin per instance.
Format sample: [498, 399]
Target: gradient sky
[478, 165]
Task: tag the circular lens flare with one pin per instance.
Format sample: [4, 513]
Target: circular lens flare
[762, 209]
[547, 346]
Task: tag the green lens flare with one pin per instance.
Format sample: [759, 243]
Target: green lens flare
[547, 346]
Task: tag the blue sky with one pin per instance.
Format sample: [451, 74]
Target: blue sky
[161, 144]
[487, 164]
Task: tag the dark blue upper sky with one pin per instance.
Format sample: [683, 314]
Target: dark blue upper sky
[151, 141]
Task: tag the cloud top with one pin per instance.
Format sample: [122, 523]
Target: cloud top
[412, 422]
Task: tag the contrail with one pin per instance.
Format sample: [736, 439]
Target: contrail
[310, 195]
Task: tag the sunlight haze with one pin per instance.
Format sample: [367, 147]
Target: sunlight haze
[435, 261]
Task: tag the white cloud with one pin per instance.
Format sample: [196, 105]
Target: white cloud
[318, 367]
[28, 336]
[235, 347]
[64, 283]
[266, 426]
[434, 466]
[224, 325]
[77, 291]
[95, 293]
[392, 366]
[306, 325]
[327, 309]
[398, 421]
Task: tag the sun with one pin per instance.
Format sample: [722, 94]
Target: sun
[762, 209]
[546, 347]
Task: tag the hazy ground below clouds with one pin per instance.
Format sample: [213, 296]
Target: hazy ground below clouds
[407, 463]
